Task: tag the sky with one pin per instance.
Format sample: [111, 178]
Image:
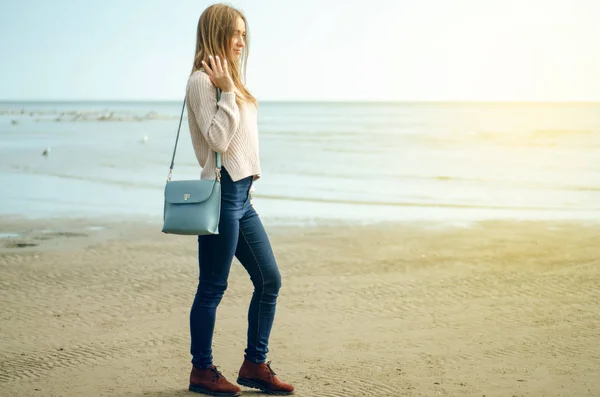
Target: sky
[304, 50]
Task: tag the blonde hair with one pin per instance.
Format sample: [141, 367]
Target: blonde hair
[215, 30]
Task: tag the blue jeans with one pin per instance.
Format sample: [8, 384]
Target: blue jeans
[241, 234]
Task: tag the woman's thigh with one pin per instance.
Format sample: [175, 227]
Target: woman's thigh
[255, 253]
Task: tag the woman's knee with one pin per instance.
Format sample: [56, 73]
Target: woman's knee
[272, 282]
[212, 288]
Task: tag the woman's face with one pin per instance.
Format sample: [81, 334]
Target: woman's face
[238, 41]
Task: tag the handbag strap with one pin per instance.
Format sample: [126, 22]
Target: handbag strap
[217, 154]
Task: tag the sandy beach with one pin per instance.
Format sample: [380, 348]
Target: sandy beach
[497, 308]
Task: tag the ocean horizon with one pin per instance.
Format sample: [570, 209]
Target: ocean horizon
[321, 161]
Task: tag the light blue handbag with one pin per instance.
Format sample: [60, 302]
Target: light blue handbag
[192, 207]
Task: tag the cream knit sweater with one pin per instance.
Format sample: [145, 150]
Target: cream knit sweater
[222, 127]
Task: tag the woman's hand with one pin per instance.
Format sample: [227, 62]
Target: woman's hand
[219, 73]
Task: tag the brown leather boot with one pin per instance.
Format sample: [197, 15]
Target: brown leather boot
[262, 377]
[212, 382]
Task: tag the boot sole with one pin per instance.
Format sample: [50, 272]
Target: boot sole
[198, 389]
[257, 385]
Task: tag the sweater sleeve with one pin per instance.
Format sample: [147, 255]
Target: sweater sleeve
[218, 122]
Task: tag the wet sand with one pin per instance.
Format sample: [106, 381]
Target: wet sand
[498, 308]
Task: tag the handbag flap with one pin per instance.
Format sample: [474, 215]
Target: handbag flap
[189, 192]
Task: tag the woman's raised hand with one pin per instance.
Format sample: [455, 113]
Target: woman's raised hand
[219, 73]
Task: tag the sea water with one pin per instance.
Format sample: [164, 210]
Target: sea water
[355, 162]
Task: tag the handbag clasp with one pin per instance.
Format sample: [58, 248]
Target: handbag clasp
[218, 174]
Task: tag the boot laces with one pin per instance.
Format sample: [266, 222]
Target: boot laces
[270, 369]
[216, 371]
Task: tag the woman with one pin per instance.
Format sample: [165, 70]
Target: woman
[229, 126]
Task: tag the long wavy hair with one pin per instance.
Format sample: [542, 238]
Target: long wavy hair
[215, 30]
